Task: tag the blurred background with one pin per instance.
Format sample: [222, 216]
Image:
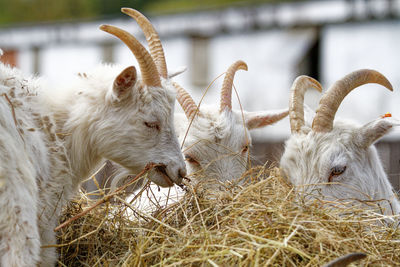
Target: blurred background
[279, 40]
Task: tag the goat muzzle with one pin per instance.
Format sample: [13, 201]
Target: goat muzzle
[161, 168]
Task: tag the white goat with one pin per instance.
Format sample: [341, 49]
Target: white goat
[52, 138]
[337, 161]
[218, 138]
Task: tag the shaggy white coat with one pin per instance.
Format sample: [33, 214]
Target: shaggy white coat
[218, 143]
[309, 159]
[52, 138]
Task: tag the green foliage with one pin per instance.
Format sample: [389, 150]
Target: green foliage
[28, 11]
[108, 7]
[173, 6]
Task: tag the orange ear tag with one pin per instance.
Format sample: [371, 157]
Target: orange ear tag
[387, 115]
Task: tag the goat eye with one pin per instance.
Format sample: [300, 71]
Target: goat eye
[245, 149]
[153, 125]
[191, 160]
[335, 171]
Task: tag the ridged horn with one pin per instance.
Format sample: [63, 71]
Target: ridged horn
[330, 101]
[155, 46]
[186, 101]
[226, 91]
[296, 100]
[148, 69]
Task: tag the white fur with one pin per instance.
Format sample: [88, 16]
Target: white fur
[57, 137]
[218, 142]
[309, 157]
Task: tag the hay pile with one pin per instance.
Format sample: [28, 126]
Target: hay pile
[256, 223]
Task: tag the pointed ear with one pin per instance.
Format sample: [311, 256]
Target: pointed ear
[264, 118]
[373, 131]
[124, 83]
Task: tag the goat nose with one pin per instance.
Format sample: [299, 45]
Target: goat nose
[182, 173]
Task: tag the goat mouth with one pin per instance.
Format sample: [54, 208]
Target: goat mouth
[162, 170]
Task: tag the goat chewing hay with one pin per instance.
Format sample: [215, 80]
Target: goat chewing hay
[258, 222]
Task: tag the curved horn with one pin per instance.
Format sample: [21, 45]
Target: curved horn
[186, 101]
[346, 259]
[155, 46]
[226, 91]
[148, 69]
[296, 100]
[330, 101]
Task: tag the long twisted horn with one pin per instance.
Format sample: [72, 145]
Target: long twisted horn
[155, 46]
[186, 101]
[330, 101]
[148, 69]
[296, 101]
[226, 91]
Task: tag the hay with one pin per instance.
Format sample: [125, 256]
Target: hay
[256, 223]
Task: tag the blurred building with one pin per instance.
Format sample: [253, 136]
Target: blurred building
[323, 39]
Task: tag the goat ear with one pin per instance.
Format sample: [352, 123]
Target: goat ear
[373, 131]
[263, 118]
[124, 83]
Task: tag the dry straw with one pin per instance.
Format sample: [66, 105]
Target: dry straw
[258, 222]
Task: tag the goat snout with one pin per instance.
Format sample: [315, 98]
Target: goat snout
[165, 178]
[176, 173]
[182, 173]
[167, 175]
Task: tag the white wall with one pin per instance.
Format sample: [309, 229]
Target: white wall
[350, 47]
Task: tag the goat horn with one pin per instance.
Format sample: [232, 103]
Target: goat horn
[148, 69]
[186, 101]
[296, 101]
[330, 101]
[226, 91]
[346, 259]
[155, 46]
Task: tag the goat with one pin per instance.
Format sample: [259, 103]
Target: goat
[217, 140]
[337, 161]
[53, 137]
